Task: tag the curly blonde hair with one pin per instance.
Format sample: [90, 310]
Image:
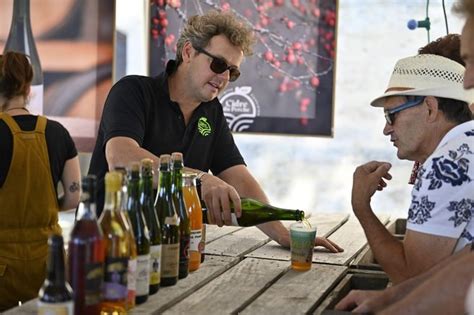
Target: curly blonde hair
[464, 7]
[199, 30]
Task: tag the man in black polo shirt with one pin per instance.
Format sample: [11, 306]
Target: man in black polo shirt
[179, 111]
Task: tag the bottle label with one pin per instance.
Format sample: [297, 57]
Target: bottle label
[143, 274]
[132, 279]
[196, 237]
[202, 243]
[64, 308]
[94, 275]
[35, 105]
[155, 264]
[170, 260]
[115, 280]
[171, 220]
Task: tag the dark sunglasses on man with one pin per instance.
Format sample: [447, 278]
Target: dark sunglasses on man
[411, 102]
[218, 65]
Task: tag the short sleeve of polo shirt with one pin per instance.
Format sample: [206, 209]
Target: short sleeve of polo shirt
[124, 110]
[226, 154]
[443, 195]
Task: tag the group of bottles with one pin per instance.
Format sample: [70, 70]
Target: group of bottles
[138, 244]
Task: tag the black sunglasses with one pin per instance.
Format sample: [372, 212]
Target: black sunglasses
[218, 65]
[412, 101]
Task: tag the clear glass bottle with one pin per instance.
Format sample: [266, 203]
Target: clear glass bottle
[127, 226]
[117, 248]
[147, 200]
[193, 205]
[86, 253]
[55, 296]
[169, 222]
[20, 39]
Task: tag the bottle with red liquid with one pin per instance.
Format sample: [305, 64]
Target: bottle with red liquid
[86, 253]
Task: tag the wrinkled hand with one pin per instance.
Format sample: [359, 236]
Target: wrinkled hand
[324, 242]
[367, 179]
[217, 195]
[362, 301]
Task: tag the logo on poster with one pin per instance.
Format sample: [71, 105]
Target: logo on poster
[240, 107]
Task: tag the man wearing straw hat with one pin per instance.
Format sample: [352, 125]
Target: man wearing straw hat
[444, 288]
[428, 120]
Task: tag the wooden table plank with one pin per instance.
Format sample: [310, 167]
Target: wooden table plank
[297, 292]
[232, 290]
[214, 232]
[238, 243]
[326, 224]
[349, 236]
[168, 296]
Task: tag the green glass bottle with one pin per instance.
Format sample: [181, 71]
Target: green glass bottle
[140, 232]
[255, 212]
[147, 200]
[185, 223]
[169, 222]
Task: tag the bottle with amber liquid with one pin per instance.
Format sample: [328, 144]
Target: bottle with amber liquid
[55, 296]
[127, 226]
[184, 223]
[140, 232]
[147, 200]
[169, 222]
[86, 253]
[193, 205]
[117, 248]
[255, 212]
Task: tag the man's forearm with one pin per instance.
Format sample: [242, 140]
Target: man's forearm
[388, 251]
[443, 290]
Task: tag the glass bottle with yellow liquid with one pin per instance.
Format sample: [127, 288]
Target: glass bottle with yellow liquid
[193, 205]
[127, 226]
[117, 248]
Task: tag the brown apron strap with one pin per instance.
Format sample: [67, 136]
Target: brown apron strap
[41, 124]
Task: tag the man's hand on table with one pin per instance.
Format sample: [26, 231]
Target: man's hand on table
[363, 301]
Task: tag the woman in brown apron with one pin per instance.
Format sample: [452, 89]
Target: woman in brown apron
[35, 154]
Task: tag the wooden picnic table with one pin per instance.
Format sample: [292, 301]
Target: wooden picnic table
[246, 272]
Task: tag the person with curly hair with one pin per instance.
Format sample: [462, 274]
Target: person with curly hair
[179, 111]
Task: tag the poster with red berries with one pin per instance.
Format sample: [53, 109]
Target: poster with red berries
[287, 85]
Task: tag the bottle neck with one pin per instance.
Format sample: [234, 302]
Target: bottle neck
[55, 266]
[177, 179]
[165, 183]
[21, 10]
[112, 200]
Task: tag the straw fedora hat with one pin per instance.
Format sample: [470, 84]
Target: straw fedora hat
[427, 75]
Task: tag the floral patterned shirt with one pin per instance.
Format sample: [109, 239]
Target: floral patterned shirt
[443, 195]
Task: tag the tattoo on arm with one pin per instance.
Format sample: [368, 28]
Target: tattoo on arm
[74, 187]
